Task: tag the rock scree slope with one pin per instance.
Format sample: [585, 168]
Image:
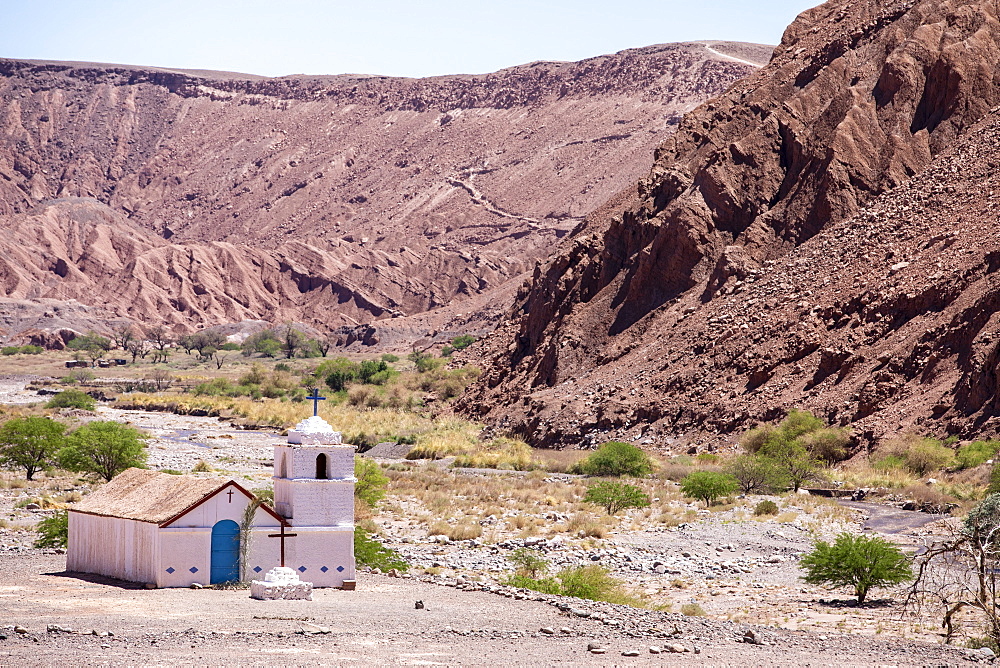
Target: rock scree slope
[195, 198]
[821, 236]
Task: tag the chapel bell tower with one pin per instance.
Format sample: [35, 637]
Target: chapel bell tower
[314, 476]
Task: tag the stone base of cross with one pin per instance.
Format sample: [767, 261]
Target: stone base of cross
[281, 583]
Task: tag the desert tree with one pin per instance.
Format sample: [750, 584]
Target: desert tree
[708, 485]
[219, 357]
[161, 379]
[756, 474]
[138, 347]
[292, 340]
[615, 496]
[123, 334]
[30, 443]
[159, 338]
[961, 573]
[91, 343]
[103, 448]
[857, 561]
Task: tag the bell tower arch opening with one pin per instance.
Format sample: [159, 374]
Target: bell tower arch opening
[321, 467]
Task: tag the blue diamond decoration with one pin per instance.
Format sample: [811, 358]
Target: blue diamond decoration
[340, 569]
[171, 570]
[257, 569]
[324, 569]
[302, 569]
[193, 569]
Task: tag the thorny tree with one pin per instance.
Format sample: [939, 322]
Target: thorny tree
[961, 573]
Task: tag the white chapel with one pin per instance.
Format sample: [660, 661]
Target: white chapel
[173, 531]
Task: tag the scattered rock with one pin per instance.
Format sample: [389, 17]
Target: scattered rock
[653, 649]
[630, 652]
[419, 605]
[547, 630]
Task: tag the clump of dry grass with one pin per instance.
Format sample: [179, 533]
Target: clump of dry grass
[500, 453]
[929, 498]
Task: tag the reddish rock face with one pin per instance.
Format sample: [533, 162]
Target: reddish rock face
[818, 237]
[194, 198]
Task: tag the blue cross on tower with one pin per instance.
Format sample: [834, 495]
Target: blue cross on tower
[315, 398]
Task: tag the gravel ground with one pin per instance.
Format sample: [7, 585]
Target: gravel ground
[736, 568]
[379, 623]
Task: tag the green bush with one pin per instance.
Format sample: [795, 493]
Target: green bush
[615, 458]
[30, 443]
[804, 429]
[389, 357]
[103, 448]
[615, 496]
[976, 453]
[756, 474]
[371, 482]
[77, 376]
[371, 553]
[462, 341]
[994, 486]
[529, 563]
[9, 350]
[693, 610]
[32, 350]
[425, 361]
[592, 582]
[920, 454]
[857, 561]
[53, 531]
[72, 399]
[708, 485]
[765, 507]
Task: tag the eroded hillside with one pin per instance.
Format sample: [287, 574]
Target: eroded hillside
[818, 237]
[195, 198]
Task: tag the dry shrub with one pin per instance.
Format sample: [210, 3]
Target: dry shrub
[439, 528]
[559, 461]
[693, 610]
[500, 453]
[919, 454]
[464, 531]
[928, 498]
[69, 497]
[675, 472]
[586, 526]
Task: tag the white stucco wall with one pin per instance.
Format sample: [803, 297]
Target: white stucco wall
[186, 543]
[328, 503]
[111, 546]
[317, 548]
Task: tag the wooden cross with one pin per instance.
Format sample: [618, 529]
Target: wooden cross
[315, 398]
[282, 536]
[230, 493]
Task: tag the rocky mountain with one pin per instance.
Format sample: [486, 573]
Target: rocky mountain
[821, 236]
[195, 198]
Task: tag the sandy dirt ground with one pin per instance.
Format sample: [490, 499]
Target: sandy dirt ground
[743, 572]
[112, 624]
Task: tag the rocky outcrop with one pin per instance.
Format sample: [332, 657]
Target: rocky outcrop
[768, 260]
[388, 196]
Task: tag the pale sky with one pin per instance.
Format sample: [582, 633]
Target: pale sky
[391, 37]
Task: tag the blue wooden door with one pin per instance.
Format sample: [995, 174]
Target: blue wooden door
[225, 551]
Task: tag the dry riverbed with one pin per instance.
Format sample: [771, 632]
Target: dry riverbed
[740, 570]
